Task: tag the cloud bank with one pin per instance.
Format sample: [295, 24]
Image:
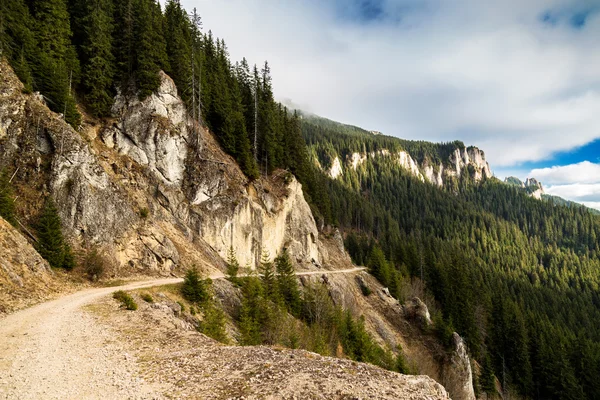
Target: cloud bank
[577, 182]
[519, 79]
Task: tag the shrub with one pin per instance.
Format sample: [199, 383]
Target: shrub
[126, 300]
[148, 298]
[194, 289]
[94, 264]
[144, 213]
[182, 306]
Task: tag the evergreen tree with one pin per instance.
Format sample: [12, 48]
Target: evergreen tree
[194, 289]
[124, 40]
[233, 266]
[268, 278]
[287, 282]
[150, 47]
[179, 40]
[16, 38]
[51, 243]
[251, 311]
[97, 56]
[56, 67]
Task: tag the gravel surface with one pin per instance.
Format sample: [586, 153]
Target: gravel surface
[57, 351]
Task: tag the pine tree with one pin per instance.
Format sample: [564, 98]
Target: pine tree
[250, 313]
[287, 282]
[97, 56]
[16, 38]
[268, 278]
[124, 40]
[7, 206]
[194, 289]
[178, 36]
[233, 266]
[56, 67]
[51, 244]
[150, 47]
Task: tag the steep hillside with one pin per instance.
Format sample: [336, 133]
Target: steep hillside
[340, 149]
[155, 192]
[501, 266]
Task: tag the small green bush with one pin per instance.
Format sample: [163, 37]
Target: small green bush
[192, 310]
[126, 300]
[181, 305]
[144, 213]
[148, 298]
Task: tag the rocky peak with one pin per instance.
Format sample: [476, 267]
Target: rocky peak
[534, 188]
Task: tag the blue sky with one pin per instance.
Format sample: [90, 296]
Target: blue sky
[519, 79]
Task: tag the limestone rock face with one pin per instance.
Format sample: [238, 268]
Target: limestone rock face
[407, 162]
[153, 132]
[336, 169]
[151, 187]
[470, 157]
[458, 376]
[261, 222]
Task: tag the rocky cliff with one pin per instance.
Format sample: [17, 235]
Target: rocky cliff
[150, 185]
[531, 185]
[467, 160]
[155, 192]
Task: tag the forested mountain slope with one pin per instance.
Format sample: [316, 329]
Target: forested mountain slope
[165, 184]
[518, 277]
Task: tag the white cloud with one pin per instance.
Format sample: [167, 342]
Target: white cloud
[577, 182]
[488, 73]
[584, 172]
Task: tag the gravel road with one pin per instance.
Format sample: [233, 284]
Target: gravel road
[57, 350]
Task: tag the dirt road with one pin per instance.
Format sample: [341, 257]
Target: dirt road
[56, 350]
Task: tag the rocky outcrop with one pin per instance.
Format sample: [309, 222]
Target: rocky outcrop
[469, 160]
[336, 169]
[458, 376]
[531, 185]
[150, 186]
[470, 157]
[417, 310]
[406, 162]
[534, 188]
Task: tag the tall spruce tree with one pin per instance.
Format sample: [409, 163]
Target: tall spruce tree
[98, 62]
[179, 41]
[55, 63]
[150, 47]
[51, 243]
[287, 282]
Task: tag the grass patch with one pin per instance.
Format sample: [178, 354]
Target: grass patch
[147, 297]
[126, 300]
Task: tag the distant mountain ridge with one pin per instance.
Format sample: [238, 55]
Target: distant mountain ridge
[347, 148]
